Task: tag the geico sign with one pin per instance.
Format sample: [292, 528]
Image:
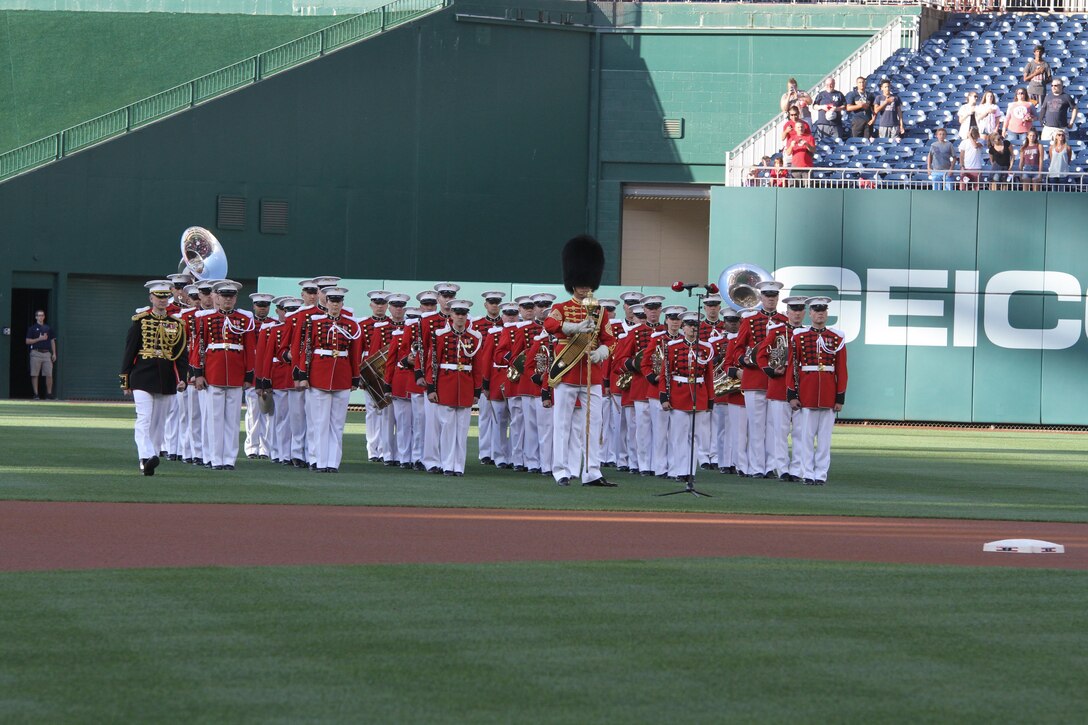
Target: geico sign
[995, 299]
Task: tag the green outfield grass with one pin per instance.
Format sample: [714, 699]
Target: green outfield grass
[85, 452]
[746, 640]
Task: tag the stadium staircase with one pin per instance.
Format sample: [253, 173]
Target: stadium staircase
[229, 79]
[977, 52]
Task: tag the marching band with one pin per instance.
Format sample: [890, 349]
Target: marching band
[564, 388]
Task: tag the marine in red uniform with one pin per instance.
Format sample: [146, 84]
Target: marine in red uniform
[753, 329]
[405, 349]
[454, 377]
[494, 386]
[653, 356]
[730, 422]
[330, 374]
[299, 320]
[536, 399]
[482, 324]
[275, 379]
[583, 266]
[377, 333]
[258, 424]
[628, 360]
[686, 393]
[816, 385]
[222, 359]
[430, 324]
[781, 420]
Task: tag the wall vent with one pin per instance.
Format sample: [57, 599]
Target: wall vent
[273, 216]
[672, 127]
[230, 212]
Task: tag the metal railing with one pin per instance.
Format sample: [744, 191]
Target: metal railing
[956, 180]
[902, 32]
[213, 85]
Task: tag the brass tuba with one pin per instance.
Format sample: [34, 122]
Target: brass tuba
[579, 345]
[738, 285]
[202, 255]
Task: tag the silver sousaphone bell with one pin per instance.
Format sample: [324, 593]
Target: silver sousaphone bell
[738, 285]
[202, 255]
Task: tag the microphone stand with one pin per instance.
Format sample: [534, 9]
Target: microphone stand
[690, 487]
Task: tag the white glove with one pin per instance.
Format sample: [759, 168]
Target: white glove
[599, 354]
[573, 328]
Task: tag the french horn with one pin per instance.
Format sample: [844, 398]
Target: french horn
[202, 255]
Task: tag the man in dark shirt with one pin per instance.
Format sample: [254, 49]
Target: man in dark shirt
[888, 113]
[830, 105]
[859, 102]
[43, 353]
[1058, 110]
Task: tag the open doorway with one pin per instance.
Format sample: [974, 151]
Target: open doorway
[665, 234]
[24, 303]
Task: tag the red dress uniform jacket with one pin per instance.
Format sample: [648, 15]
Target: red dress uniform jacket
[633, 342]
[817, 372]
[429, 324]
[225, 349]
[494, 364]
[538, 358]
[573, 311]
[336, 349]
[377, 332]
[298, 351]
[526, 343]
[776, 384]
[274, 372]
[723, 350]
[708, 329]
[455, 371]
[753, 329]
[689, 383]
[189, 318]
[399, 373]
[654, 369]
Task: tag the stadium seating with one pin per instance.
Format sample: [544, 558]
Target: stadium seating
[970, 52]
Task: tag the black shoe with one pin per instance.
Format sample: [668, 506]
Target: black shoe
[622, 469]
[706, 466]
[564, 481]
[390, 464]
[218, 468]
[458, 474]
[228, 467]
[251, 456]
[162, 454]
[434, 470]
[810, 481]
[820, 481]
[149, 466]
[406, 466]
[546, 473]
[198, 461]
[504, 466]
[662, 475]
[298, 463]
[787, 477]
[646, 474]
[36, 398]
[313, 466]
[447, 473]
[374, 459]
[487, 461]
[534, 470]
[332, 470]
[608, 464]
[187, 460]
[521, 469]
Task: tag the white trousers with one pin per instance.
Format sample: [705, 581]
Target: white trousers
[453, 438]
[330, 409]
[224, 412]
[279, 432]
[814, 440]
[630, 440]
[152, 410]
[500, 432]
[615, 451]
[781, 420]
[296, 407]
[171, 439]
[404, 430]
[517, 431]
[705, 450]
[431, 430]
[205, 430]
[376, 421]
[680, 450]
[311, 437]
[723, 436]
[644, 435]
[531, 440]
[194, 429]
[738, 429]
[485, 423]
[661, 419]
[568, 438]
[418, 424]
[257, 426]
[545, 430]
[755, 402]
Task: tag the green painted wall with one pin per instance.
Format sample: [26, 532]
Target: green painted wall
[966, 307]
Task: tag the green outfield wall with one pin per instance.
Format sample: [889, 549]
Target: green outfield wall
[958, 306]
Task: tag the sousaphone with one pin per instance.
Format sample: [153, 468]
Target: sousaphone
[202, 255]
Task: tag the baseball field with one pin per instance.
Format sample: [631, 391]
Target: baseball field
[273, 594]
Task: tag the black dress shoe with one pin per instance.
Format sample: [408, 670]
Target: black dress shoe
[186, 460]
[622, 469]
[534, 470]
[162, 454]
[406, 466]
[218, 468]
[390, 464]
[207, 464]
[228, 467]
[521, 469]
[820, 481]
[706, 466]
[458, 474]
[332, 470]
[263, 457]
[810, 481]
[374, 459]
[564, 481]
[787, 477]
[545, 473]
[646, 473]
[447, 473]
[149, 465]
[198, 461]
[313, 466]
[251, 456]
[662, 475]
[608, 464]
[435, 470]
[504, 466]
[418, 466]
[298, 463]
[487, 461]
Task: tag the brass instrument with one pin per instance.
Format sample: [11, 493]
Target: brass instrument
[738, 285]
[779, 352]
[723, 384]
[372, 372]
[517, 368]
[202, 255]
[623, 382]
[579, 345]
[657, 359]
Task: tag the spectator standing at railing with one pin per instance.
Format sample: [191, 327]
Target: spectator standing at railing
[1061, 157]
[1037, 75]
[830, 105]
[801, 149]
[1058, 110]
[988, 114]
[757, 173]
[888, 113]
[940, 161]
[793, 116]
[796, 97]
[1019, 117]
[971, 153]
[859, 102]
[965, 114]
[779, 174]
[1032, 155]
[1000, 161]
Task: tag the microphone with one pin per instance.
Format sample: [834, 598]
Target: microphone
[710, 287]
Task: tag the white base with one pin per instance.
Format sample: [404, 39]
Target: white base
[1024, 546]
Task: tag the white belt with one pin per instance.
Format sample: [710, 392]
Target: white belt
[224, 346]
[683, 379]
[500, 367]
[451, 366]
[331, 353]
[817, 368]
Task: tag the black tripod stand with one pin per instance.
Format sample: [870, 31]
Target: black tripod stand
[690, 487]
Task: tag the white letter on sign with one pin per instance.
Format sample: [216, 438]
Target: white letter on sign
[880, 307]
[999, 292]
[846, 313]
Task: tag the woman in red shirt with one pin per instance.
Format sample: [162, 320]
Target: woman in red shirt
[801, 147]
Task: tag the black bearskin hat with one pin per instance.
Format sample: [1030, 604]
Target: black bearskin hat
[583, 263]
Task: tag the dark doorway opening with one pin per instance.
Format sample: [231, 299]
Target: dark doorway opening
[24, 302]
